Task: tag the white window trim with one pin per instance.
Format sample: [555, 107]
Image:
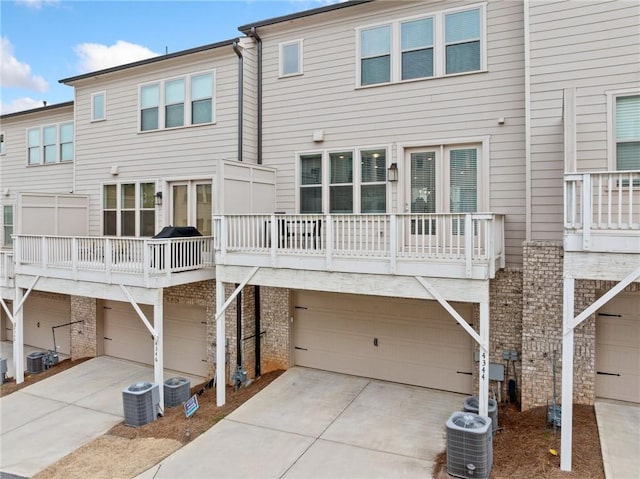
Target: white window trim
[2, 225]
[484, 203]
[356, 183]
[611, 123]
[58, 143]
[3, 144]
[104, 106]
[439, 56]
[187, 101]
[119, 207]
[300, 43]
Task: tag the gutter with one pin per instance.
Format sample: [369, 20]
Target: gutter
[236, 49]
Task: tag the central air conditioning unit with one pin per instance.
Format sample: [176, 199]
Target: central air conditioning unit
[469, 445]
[176, 391]
[35, 362]
[472, 404]
[140, 402]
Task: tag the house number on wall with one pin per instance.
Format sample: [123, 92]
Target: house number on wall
[484, 363]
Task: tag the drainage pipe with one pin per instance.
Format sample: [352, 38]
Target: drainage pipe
[257, 327]
[236, 49]
[239, 329]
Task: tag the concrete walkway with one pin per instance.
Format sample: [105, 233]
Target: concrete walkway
[619, 428]
[44, 422]
[317, 424]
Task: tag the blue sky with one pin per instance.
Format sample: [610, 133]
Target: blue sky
[44, 41]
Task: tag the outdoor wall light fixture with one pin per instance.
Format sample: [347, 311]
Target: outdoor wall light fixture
[159, 198]
[392, 172]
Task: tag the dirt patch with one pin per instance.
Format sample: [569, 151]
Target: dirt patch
[126, 451]
[523, 444]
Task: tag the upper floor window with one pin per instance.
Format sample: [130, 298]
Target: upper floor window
[128, 209]
[627, 132]
[355, 181]
[291, 58]
[2, 143]
[50, 144]
[7, 224]
[443, 43]
[98, 106]
[177, 102]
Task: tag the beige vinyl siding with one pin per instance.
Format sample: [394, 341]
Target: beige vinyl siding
[593, 47]
[325, 98]
[15, 174]
[181, 153]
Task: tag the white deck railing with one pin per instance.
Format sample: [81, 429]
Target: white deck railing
[6, 267]
[466, 239]
[138, 256]
[602, 211]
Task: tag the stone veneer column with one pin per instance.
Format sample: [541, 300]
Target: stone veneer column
[275, 320]
[84, 341]
[542, 328]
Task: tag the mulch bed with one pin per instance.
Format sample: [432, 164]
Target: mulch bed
[524, 443]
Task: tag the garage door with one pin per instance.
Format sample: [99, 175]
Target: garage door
[408, 341]
[185, 336]
[40, 314]
[618, 349]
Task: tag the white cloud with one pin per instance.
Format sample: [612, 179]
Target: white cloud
[37, 4]
[14, 73]
[20, 104]
[94, 56]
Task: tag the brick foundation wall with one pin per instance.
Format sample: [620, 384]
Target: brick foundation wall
[84, 341]
[275, 314]
[505, 327]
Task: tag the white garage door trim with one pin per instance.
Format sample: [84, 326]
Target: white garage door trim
[185, 335]
[618, 349]
[408, 341]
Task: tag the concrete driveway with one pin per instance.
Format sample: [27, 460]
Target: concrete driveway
[44, 422]
[313, 424]
[619, 428]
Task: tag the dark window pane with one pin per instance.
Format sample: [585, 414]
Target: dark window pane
[373, 166]
[341, 199]
[341, 167]
[376, 70]
[147, 222]
[128, 223]
[202, 111]
[109, 223]
[311, 200]
[628, 155]
[417, 64]
[149, 119]
[463, 57]
[374, 199]
[311, 169]
[174, 115]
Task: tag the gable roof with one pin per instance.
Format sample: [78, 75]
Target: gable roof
[149, 61]
[246, 29]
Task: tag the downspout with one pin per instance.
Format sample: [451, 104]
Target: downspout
[254, 34]
[239, 330]
[257, 328]
[236, 49]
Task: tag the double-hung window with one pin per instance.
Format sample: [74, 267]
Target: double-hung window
[355, 181]
[442, 43]
[2, 143]
[128, 209]
[627, 132]
[50, 144]
[291, 58]
[375, 55]
[7, 224]
[177, 102]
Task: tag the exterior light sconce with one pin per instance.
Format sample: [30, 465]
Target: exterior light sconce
[392, 172]
[158, 197]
